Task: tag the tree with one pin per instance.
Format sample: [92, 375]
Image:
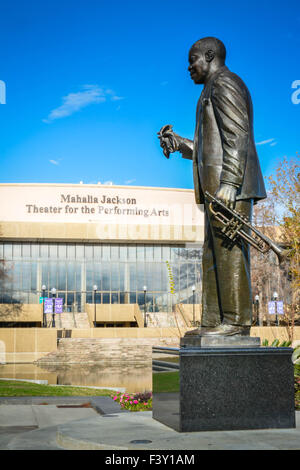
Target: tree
[279, 218]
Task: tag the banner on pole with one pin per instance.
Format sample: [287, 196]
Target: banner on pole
[48, 305]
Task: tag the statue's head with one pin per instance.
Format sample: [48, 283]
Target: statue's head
[205, 57]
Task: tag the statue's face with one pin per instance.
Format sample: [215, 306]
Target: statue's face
[199, 66]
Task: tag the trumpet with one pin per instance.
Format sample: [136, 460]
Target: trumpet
[236, 224]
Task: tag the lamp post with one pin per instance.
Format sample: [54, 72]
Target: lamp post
[53, 292]
[256, 303]
[95, 287]
[145, 310]
[275, 297]
[193, 289]
[44, 316]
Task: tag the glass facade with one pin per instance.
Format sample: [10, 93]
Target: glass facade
[120, 272]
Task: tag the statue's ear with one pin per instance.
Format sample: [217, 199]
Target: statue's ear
[209, 55]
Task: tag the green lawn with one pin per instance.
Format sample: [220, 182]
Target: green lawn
[11, 388]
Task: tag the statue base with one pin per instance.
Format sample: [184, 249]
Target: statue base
[223, 386]
[234, 341]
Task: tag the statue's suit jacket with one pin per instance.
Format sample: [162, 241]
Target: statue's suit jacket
[224, 148]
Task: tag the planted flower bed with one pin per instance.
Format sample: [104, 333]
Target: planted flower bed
[134, 401]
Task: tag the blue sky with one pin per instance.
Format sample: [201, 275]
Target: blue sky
[90, 83]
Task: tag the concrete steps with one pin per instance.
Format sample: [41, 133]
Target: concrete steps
[69, 320]
[86, 350]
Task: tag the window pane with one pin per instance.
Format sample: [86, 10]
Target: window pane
[71, 251]
[89, 252]
[78, 277]
[105, 277]
[122, 267]
[105, 252]
[149, 253]
[89, 276]
[17, 276]
[44, 249]
[140, 277]
[26, 271]
[166, 253]
[8, 251]
[52, 275]
[115, 284]
[61, 274]
[132, 274]
[45, 280]
[35, 249]
[157, 253]
[17, 251]
[132, 253]
[97, 275]
[97, 252]
[148, 277]
[79, 251]
[62, 251]
[52, 251]
[33, 276]
[140, 252]
[123, 252]
[71, 276]
[156, 279]
[114, 251]
[26, 252]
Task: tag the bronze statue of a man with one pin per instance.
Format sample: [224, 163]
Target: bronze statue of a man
[225, 164]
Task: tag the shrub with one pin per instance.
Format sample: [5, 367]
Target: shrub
[134, 401]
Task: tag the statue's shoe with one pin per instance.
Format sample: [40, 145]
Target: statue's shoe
[220, 330]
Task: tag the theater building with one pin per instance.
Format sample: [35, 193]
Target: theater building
[100, 245]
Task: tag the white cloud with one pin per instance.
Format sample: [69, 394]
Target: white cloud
[54, 162]
[264, 142]
[116, 98]
[130, 181]
[74, 102]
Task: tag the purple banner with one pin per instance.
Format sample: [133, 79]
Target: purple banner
[275, 308]
[271, 308]
[59, 305]
[280, 310]
[48, 305]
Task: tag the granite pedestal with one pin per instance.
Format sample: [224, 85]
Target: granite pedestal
[202, 387]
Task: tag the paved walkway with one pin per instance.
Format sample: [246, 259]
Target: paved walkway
[58, 423]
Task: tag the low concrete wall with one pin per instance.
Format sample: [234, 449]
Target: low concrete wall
[26, 344]
[21, 312]
[30, 344]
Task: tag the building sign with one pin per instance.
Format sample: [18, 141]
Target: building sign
[99, 204]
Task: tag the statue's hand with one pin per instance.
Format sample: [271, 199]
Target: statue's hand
[227, 194]
[169, 141]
